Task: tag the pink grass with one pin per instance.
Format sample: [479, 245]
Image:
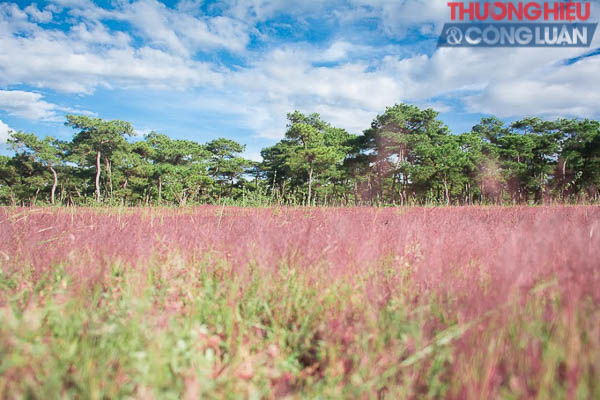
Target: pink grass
[515, 246]
[480, 264]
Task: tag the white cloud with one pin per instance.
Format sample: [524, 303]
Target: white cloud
[347, 95]
[563, 90]
[98, 34]
[396, 16]
[4, 130]
[90, 55]
[29, 105]
[141, 132]
[65, 62]
[507, 82]
[38, 15]
[262, 10]
[173, 30]
[534, 81]
[151, 20]
[350, 94]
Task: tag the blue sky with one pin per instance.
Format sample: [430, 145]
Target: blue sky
[233, 68]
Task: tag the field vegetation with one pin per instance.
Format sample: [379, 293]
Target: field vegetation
[224, 302]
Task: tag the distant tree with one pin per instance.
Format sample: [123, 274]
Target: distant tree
[542, 138]
[9, 178]
[490, 129]
[181, 163]
[579, 158]
[226, 164]
[47, 152]
[474, 150]
[526, 153]
[99, 137]
[398, 143]
[132, 173]
[318, 146]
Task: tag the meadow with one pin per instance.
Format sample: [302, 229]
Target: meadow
[373, 303]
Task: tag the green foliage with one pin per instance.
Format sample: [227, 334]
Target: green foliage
[312, 151]
[203, 330]
[407, 156]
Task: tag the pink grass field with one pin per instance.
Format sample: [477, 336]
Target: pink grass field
[472, 302]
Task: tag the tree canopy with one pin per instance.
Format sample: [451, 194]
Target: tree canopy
[407, 156]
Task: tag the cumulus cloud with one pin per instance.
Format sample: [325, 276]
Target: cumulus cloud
[176, 30]
[52, 60]
[346, 94]
[506, 81]
[183, 33]
[262, 10]
[397, 17]
[4, 130]
[38, 15]
[89, 55]
[563, 90]
[29, 105]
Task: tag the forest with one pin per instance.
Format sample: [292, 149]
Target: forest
[408, 156]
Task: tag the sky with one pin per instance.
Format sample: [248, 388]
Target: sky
[196, 69]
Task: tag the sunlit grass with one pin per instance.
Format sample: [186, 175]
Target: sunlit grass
[346, 303]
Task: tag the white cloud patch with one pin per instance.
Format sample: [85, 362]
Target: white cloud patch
[397, 16]
[262, 10]
[98, 34]
[141, 132]
[182, 33]
[29, 105]
[89, 55]
[4, 131]
[38, 15]
[173, 30]
[347, 94]
[350, 94]
[562, 90]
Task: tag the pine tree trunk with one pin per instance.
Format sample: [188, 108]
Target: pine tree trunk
[54, 184]
[159, 190]
[446, 190]
[109, 176]
[98, 155]
[34, 200]
[394, 189]
[310, 174]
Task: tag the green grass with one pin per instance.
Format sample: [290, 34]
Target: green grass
[180, 330]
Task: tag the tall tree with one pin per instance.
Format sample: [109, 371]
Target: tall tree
[171, 160]
[100, 138]
[579, 161]
[277, 172]
[47, 152]
[226, 163]
[317, 146]
[544, 137]
[392, 143]
[474, 151]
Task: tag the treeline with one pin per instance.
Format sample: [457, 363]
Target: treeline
[407, 156]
